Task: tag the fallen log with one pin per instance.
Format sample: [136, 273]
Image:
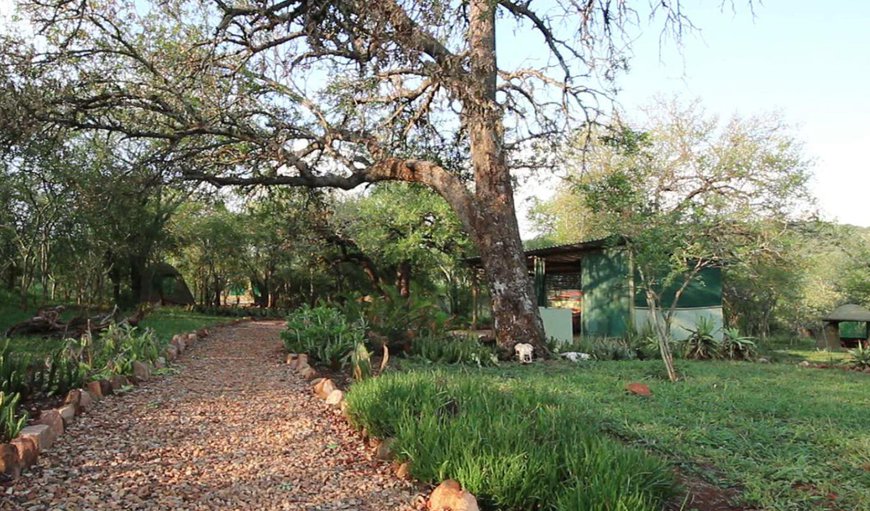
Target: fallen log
[47, 323]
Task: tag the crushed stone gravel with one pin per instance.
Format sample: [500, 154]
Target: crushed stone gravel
[233, 429]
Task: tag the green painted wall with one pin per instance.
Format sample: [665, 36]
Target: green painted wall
[606, 302]
[705, 290]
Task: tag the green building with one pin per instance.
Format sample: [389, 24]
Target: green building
[596, 281]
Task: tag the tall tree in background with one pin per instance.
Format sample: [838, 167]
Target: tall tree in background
[339, 93]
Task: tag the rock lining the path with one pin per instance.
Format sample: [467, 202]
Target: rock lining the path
[22, 452]
[232, 430]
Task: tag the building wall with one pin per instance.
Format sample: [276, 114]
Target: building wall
[606, 293]
[683, 320]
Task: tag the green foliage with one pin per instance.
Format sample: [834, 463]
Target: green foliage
[115, 350]
[514, 447]
[701, 344]
[859, 358]
[361, 361]
[738, 347]
[449, 349]
[10, 421]
[398, 319]
[30, 375]
[324, 333]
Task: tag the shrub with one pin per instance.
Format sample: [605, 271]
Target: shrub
[447, 349]
[361, 361]
[14, 369]
[10, 422]
[115, 350]
[701, 345]
[738, 347]
[324, 333]
[398, 319]
[859, 358]
[514, 447]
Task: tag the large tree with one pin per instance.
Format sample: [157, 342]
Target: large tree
[687, 192]
[338, 93]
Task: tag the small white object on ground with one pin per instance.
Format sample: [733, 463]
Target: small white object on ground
[524, 352]
[576, 356]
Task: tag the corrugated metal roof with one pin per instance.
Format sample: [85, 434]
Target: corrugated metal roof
[848, 312]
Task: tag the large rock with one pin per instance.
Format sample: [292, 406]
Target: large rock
[384, 449]
[10, 465]
[403, 471]
[74, 397]
[303, 358]
[95, 390]
[28, 451]
[86, 401]
[171, 353]
[178, 342]
[335, 397]
[118, 381]
[42, 434]
[141, 370]
[67, 413]
[639, 389]
[449, 496]
[291, 359]
[106, 387]
[53, 420]
[324, 388]
[309, 373]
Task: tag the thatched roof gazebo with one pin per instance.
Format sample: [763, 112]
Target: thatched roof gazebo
[851, 313]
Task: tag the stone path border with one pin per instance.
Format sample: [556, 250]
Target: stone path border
[234, 429]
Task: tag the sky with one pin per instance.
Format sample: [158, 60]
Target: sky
[807, 59]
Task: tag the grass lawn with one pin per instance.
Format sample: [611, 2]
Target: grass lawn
[793, 350]
[782, 437]
[168, 321]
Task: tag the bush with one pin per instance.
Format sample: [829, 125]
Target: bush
[398, 319]
[701, 345]
[453, 350]
[115, 350]
[514, 448]
[10, 422]
[859, 358]
[324, 333]
[738, 347]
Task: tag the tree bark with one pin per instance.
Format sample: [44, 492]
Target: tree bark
[495, 230]
[403, 279]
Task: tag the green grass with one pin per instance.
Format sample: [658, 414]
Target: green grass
[512, 446]
[168, 321]
[794, 350]
[786, 438]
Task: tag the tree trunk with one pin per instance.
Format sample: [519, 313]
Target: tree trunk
[495, 228]
[137, 278]
[662, 329]
[403, 279]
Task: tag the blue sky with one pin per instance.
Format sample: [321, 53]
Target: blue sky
[808, 59]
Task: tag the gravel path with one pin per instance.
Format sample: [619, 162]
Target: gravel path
[234, 429]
